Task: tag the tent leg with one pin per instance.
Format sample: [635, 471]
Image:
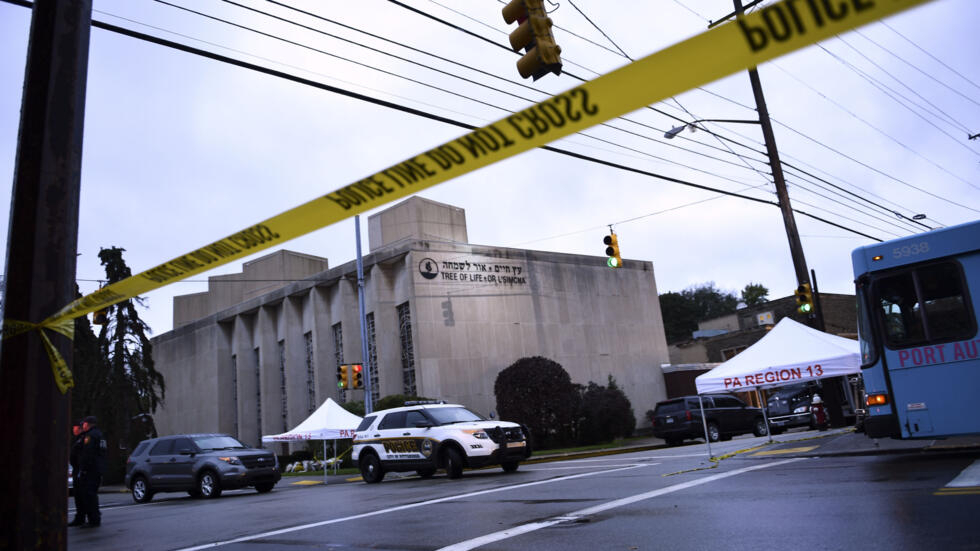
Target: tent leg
[705, 426]
[324, 462]
[765, 417]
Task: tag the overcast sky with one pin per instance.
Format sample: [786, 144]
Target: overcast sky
[180, 150]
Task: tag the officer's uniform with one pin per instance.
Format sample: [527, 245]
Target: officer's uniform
[74, 459]
[91, 464]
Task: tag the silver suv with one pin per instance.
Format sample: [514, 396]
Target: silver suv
[200, 464]
[424, 437]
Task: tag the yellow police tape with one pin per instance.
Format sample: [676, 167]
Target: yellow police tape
[750, 40]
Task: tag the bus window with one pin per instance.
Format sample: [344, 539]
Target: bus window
[866, 334]
[899, 308]
[925, 304]
[947, 315]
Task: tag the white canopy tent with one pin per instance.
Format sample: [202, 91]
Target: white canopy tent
[328, 422]
[790, 353]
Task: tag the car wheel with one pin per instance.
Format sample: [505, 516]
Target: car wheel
[208, 485]
[264, 488]
[371, 470]
[426, 473]
[453, 461]
[759, 427]
[510, 466]
[714, 434]
[141, 490]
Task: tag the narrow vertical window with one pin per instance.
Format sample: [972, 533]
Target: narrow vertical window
[258, 398]
[338, 355]
[373, 360]
[282, 386]
[234, 393]
[310, 374]
[408, 352]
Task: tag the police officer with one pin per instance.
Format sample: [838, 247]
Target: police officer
[74, 458]
[91, 464]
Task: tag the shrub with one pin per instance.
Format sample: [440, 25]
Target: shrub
[538, 393]
[604, 414]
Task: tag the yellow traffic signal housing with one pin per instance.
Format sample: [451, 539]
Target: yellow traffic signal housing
[100, 317]
[533, 35]
[612, 251]
[357, 373]
[804, 299]
[343, 377]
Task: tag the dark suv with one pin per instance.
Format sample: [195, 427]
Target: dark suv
[200, 464]
[680, 418]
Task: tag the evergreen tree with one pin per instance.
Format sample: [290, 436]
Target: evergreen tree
[121, 386]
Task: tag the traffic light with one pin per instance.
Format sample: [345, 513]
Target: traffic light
[343, 377]
[804, 299]
[612, 251]
[357, 374]
[100, 317]
[533, 35]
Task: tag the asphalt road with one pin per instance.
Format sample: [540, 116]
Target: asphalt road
[661, 499]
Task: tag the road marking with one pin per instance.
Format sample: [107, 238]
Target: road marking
[571, 517]
[406, 506]
[975, 490]
[598, 459]
[786, 450]
[965, 483]
[969, 476]
[527, 469]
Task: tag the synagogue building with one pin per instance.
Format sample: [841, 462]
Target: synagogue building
[261, 349]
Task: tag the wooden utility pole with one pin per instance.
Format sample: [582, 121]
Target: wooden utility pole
[40, 275]
[830, 397]
[792, 234]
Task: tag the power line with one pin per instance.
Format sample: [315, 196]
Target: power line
[871, 81]
[923, 50]
[917, 68]
[585, 134]
[300, 80]
[943, 115]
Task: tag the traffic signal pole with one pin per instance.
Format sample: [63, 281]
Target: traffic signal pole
[40, 275]
[365, 360]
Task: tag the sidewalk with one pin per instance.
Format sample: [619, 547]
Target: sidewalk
[834, 442]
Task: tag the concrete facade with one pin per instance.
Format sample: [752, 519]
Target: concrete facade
[444, 318]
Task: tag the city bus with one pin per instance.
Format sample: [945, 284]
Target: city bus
[917, 324]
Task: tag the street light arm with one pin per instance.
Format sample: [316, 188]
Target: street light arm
[677, 129]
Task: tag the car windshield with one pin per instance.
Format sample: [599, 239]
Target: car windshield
[220, 442]
[445, 416]
[787, 391]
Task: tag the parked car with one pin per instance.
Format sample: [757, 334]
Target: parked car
[426, 436]
[203, 465]
[680, 419]
[71, 480]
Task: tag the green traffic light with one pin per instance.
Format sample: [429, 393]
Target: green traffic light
[340, 385]
[806, 307]
[612, 262]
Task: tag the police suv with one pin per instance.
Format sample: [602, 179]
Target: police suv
[426, 436]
